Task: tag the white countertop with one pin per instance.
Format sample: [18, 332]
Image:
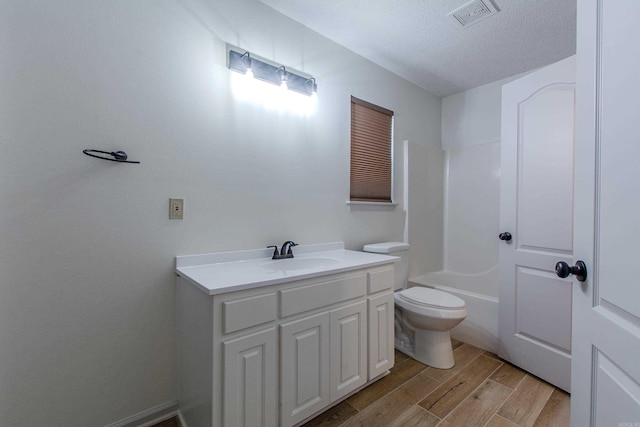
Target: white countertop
[222, 272]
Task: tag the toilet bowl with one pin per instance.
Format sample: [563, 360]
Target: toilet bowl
[430, 314]
[424, 316]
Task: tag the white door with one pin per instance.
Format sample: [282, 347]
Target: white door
[536, 209]
[381, 339]
[348, 347]
[249, 380]
[304, 368]
[606, 336]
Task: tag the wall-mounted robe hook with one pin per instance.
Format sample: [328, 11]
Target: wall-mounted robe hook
[116, 156]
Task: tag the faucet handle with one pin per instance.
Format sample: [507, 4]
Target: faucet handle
[275, 251]
[291, 244]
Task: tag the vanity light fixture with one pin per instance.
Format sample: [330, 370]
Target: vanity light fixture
[244, 63]
[282, 72]
[312, 85]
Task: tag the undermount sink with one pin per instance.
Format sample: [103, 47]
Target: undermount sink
[298, 263]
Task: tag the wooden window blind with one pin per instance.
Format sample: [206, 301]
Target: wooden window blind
[371, 136]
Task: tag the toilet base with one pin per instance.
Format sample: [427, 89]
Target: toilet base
[432, 348]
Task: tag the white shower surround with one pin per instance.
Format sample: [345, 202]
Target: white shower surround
[471, 138]
[471, 208]
[471, 220]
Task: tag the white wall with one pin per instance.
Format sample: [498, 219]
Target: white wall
[87, 293]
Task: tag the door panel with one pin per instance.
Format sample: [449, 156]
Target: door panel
[381, 337]
[544, 213]
[304, 367]
[617, 394]
[618, 151]
[538, 288]
[348, 349]
[536, 207]
[249, 382]
[606, 336]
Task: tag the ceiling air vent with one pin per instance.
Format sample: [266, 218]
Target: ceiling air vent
[473, 12]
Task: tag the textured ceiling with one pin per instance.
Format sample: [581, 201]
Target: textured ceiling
[418, 41]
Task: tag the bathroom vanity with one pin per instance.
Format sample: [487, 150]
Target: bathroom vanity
[267, 342]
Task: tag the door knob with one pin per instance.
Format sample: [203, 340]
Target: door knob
[506, 236]
[580, 270]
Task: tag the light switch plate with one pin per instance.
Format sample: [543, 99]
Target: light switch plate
[176, 208]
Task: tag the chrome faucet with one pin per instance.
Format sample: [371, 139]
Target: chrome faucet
[285, 252]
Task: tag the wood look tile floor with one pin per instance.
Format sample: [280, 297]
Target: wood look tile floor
[480, 390]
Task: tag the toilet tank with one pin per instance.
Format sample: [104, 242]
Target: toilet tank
[399, 249]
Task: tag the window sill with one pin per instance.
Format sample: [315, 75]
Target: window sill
[354, 204]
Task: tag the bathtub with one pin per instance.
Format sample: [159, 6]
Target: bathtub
[480, 293]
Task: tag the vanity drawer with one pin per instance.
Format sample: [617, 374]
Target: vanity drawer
[246, 312]
[306, 298]
[381, 280]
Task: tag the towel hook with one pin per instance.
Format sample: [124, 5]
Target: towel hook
[116, 156]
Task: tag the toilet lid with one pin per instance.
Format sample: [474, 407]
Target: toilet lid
[432, 298]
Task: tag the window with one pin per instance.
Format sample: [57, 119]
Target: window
[371, 148]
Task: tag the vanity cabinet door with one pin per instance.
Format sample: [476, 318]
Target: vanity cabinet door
[249, 380]
[348, 349]
[304, 370]
[381, 338]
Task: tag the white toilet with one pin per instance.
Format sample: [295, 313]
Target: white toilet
[424, 316]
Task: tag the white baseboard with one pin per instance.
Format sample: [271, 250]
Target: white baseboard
[151, 416]
[182, 422]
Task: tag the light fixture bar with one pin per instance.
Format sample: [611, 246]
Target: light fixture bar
[243, 62]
